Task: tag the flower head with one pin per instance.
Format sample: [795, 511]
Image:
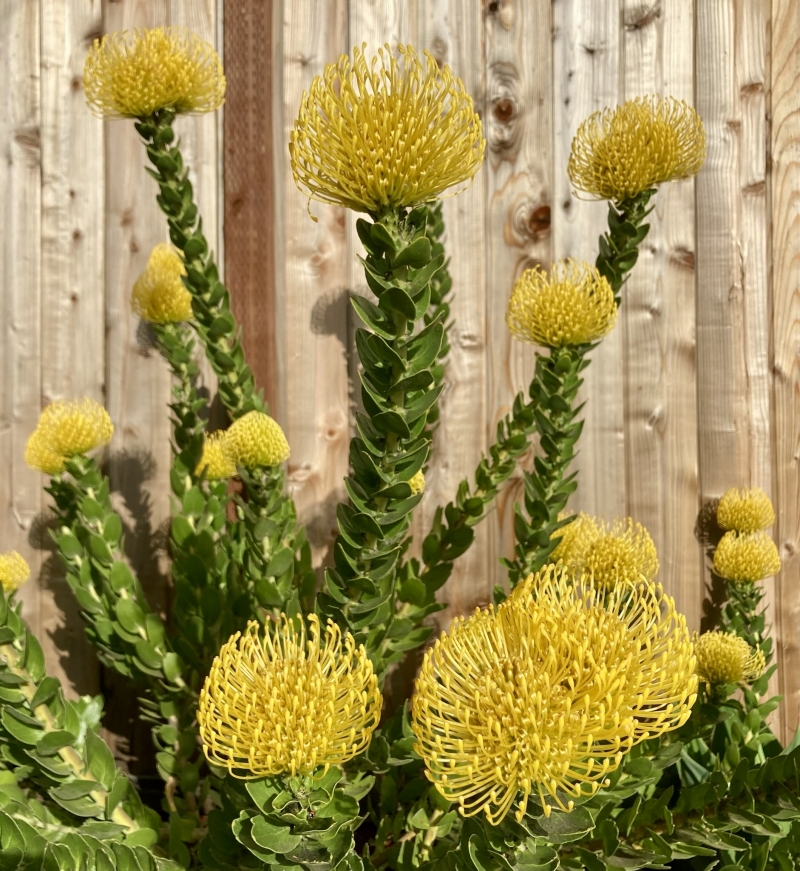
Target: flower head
[254, 440]
[546, 693]
[384, 134]
[132, 74]
[572, 306]
[622, 550]
[14, 571]
[417, 483]
[159, 295]
[746, 557]
[575, 539]
[724, 657]
[745, 510]
[618, 153]
[39, 455]
[66, 429]
[215, 460]
[288, 702]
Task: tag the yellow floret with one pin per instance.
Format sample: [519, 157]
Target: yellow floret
[574, 305]
[159, 295]
[618, 153]
[70, 428]
[133, 74]
[385, 133]
[417, 483]
[622, 550]
[724, 657]
[748, 557]
[745, 510]
[39, 455]
[14, 571]
[255, 440]
[215, 460]
[575, 539]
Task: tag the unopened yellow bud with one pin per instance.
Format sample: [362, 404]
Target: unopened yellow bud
[724, 657]
[748, 557]
[255, 440]
[745, 510]
[159, 295]
[14, 571]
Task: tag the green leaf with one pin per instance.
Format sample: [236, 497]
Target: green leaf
[130, 616]
[172, 667]
[277, 839]
[100, 759]
[34, 658]
[120, 577]
[21, 727]
[415, 255]
[75, 789]
[395, 299]
[52, 742]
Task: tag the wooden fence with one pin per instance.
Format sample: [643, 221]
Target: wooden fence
[697, 390]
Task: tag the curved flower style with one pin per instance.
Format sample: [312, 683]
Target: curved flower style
[39, 455]
[747, 510]
[384, 134]
[14, 571]
[215, 460]
[572, 306]
[623, 550]
[618, 153]
[254, 440]
[746, 557]
[574, 539]
[288, 702]
[159, 295]
[132, 74]
[66, 429]
[546, 693]
[724, 657]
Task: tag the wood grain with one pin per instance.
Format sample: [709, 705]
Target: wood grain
[784, 187]
[658, 322]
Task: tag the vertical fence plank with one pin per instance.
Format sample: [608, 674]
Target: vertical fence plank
[73, 330]
[20, 342]
[586, 61]
[785, 252]
[518, 122]
[311, 314]
[657, 320]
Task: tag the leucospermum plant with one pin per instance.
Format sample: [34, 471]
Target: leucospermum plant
[574, 723]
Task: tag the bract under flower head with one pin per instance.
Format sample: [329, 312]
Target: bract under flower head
[68, 428]
[159, 295]
[618, 153]
[545, 694]
[14, 571]
[724, 658]
[384, 134]
[132, 74]
[39, 455]
[571, 306]
[746, 557]
[255, 440]
[215, 459]
[289, 702]
[745, 510]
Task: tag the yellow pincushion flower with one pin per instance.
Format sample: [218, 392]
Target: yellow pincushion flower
[132, 74]
[622, 550]
[545, 694]
[14, 571]
[417, 483]
[288, 702]
[255, 440]
[66, 429]
[572, 306]
[618, 153]
[159, 295]
[215, 460]
[384, 134]
[746, 557]
[724, 657]
[575, 539]
[39, 455]
[745, 510]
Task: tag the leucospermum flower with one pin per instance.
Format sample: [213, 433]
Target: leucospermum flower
[383, 134]
[14, 571]
[571, 306]
[289, 701]
[132, 74]
[255, 440]
[724, 657]
[546, 693]
[159, 295]
[417, 483]
[745, 510]
[618, 153]
[575, 539]
[623, 550]
[746, 557]
[39, 455]
[66, 429]
[215, 460]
